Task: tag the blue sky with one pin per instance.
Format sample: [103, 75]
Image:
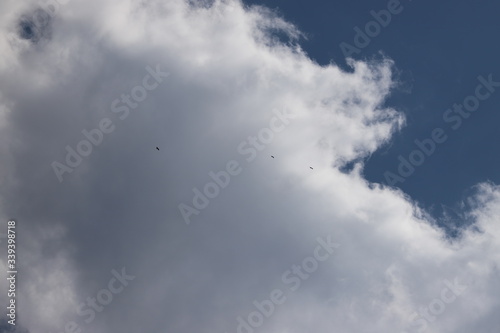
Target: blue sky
[439, 50]
[194, 166]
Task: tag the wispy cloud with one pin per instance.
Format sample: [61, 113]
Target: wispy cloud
[120, 206]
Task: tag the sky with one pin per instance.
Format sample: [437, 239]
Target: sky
[257, 166]
[439, 50]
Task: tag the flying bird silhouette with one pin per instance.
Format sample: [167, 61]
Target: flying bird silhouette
[157, 148]
[311, 168]
[272, 156]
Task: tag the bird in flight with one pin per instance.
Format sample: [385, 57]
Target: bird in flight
[272, 157]
[157, 148]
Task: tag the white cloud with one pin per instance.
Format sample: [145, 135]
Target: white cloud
[120, 206]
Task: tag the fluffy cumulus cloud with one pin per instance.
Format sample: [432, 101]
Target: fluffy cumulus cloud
[210, 233]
